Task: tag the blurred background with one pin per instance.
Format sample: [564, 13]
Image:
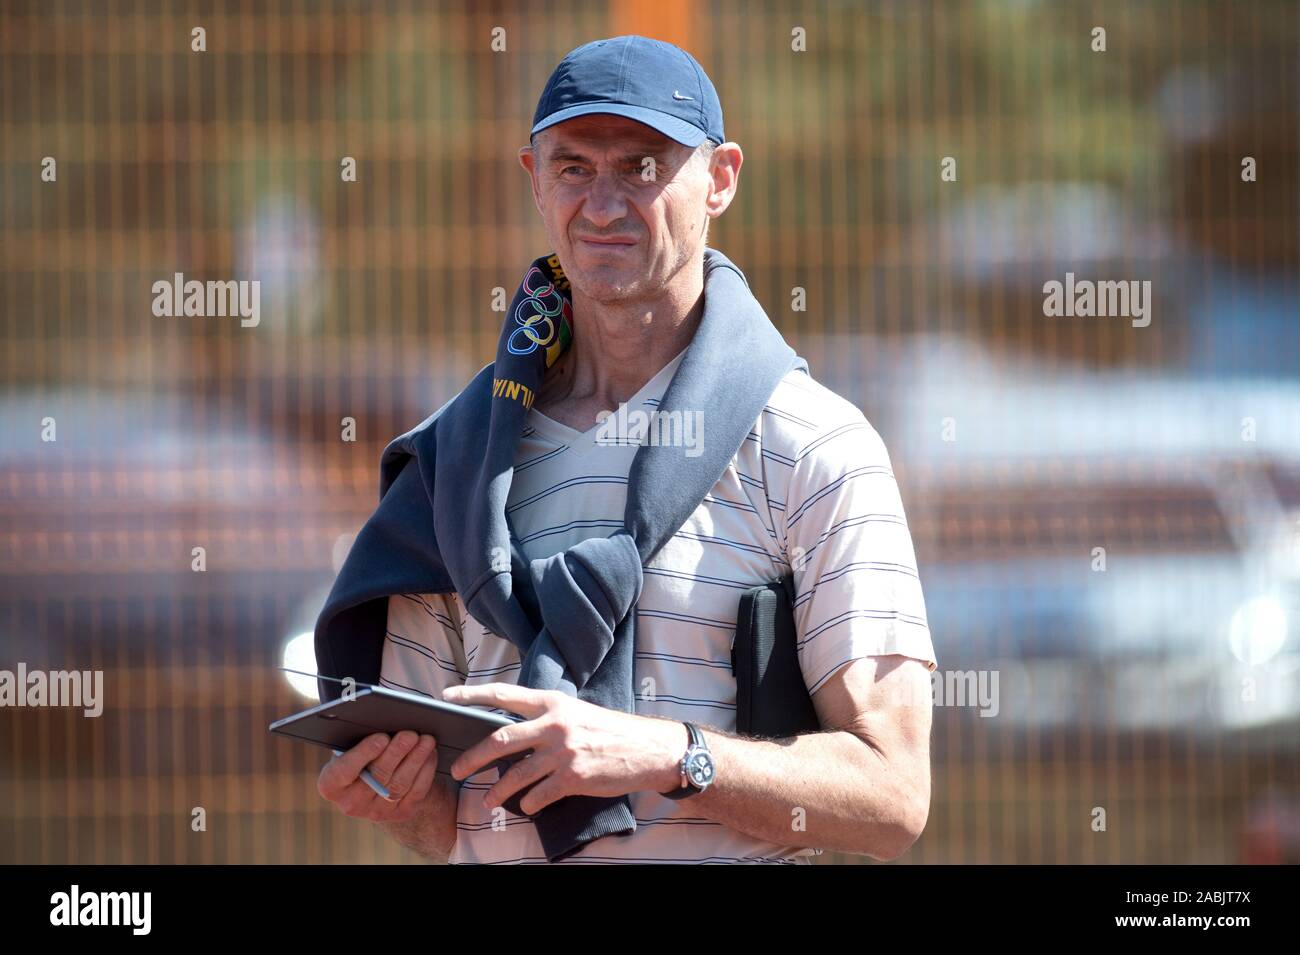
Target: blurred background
[1106, 517]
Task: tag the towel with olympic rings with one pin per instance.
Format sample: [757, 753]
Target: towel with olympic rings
[538, 329]
[542, 313]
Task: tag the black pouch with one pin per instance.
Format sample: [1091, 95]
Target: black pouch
[771, 697]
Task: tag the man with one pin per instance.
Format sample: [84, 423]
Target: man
[810, 492]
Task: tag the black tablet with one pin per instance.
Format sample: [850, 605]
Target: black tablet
[343, 723]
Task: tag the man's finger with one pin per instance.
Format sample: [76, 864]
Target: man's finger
[520, 776]
[385, 765]
[423, 781]
[523, 700]
[357, 800]
[342, 770]
[547, 791]
[515, 738]
[404, 776]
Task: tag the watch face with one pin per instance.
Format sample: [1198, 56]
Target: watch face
[699, 768]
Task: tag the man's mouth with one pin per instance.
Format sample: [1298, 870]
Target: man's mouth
[607, 242]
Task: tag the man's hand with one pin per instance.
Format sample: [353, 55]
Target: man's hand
[579, 749]
[404, 765]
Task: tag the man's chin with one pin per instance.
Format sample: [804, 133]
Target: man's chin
[607, 284]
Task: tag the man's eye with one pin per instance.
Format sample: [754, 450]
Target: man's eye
[576, 170]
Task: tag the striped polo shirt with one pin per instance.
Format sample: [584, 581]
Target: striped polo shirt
[810, 491]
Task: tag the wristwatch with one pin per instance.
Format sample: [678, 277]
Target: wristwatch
[696, 766]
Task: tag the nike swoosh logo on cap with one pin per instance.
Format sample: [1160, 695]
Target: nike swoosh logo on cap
[677, 95]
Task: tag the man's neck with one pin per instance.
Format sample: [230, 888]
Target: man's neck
[617, 348]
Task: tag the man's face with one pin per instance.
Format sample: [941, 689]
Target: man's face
[624, 206]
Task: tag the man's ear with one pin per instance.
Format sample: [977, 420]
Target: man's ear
[724, 170]
[528, 159]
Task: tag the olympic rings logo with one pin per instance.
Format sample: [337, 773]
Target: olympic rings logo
[537, 326]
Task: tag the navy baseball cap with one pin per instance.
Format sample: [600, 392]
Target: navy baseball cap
[650, 81]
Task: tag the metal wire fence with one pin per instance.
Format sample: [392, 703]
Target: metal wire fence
[1105, 511]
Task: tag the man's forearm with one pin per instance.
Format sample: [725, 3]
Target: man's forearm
[432, 831]
[827, 790]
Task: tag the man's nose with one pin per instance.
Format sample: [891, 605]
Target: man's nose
[605, 202]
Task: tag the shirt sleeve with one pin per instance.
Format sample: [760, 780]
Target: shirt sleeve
[424, 651]
[857, 590]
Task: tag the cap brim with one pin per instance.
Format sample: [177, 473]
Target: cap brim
[672, 127]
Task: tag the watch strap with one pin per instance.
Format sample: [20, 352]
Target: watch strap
[688, 788]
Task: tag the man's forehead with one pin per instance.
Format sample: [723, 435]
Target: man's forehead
[601, 131]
